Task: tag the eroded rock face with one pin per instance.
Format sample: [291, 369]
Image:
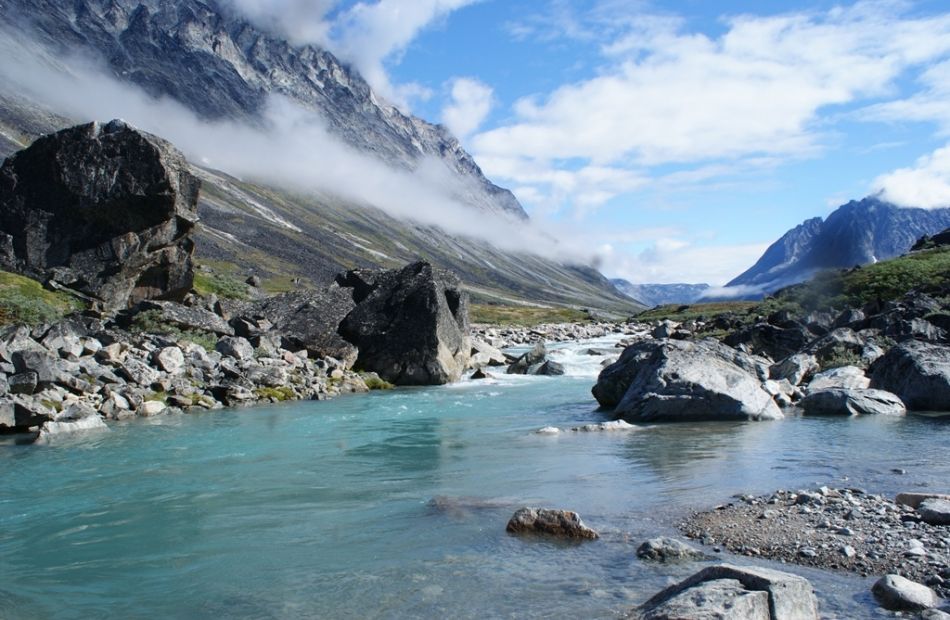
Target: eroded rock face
[410, 325]
[680, 380]
[106, 210]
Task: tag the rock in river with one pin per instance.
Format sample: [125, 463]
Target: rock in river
[558, 523]
[841, 401]
[668, 550]
[899, 594]
[685, 380]
[106, 210]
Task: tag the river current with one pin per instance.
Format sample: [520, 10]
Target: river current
[394, 504]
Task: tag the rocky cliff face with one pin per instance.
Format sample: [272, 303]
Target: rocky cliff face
[106, 210]
[204, 56]
[857, 233]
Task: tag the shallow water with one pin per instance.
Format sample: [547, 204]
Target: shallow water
[394, 504]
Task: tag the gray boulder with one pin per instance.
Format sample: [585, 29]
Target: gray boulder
[525, 362]
[557, 523]
[898, 593]
[235, 347]
[846, 377]
[918, 372]
[684, 380]
[795, 368]
[935, 511]
[188, 317]
[550, 368]
[106, 210]
[483, 354]
[841, 401]
[668, 550]
[409, 325]
[310, 320]
[787, 596]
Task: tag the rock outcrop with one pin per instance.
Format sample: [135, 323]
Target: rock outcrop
[918, 372]
[677, 380]
[105, 210]
[410, 325]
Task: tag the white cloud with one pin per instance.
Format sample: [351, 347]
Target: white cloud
[758, 92]
[367, 34]
[674, 260]
[932, 104]
[926, 185]
[471, 102]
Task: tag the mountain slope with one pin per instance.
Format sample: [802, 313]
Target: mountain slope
[858, 233]
[660, 294]
[221, 67]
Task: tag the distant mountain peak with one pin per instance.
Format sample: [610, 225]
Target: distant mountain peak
[660, 294]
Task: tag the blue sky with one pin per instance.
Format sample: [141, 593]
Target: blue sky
[674, 139]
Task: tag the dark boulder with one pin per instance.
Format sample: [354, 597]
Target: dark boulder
[309, 320]
[918, 372]
[410, 325]
[106, 210]
[775, 341]
[532, 359]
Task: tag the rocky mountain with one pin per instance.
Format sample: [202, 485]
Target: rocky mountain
[220, 66]
[660, 294]
[858, 233]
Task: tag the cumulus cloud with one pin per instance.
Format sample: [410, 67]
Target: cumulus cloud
[300, 21]
[759, 90]
[471, 102]
[282, 152]
[925, 185]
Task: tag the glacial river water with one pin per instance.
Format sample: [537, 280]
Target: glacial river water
[394, 505]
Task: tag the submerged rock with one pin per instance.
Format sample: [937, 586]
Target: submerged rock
[683, 380]
[668, 550]
[106, 210]
[557, 523]
[736, 592]
[532, 359]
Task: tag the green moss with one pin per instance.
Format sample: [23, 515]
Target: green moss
[161, 397]
[279, 394]
[23, 300]
[374, 382]
[525, 316]
[52, 404]
[151, 322]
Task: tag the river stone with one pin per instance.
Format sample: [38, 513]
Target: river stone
[668, 550]
[410, 325]
[790, 597]
[558, 523]
[847, 377]
[678, 380]
[795, 368]
[934, 511]
[104, 209]
[550, 368]
[898, 593]
[918, 372]
[533, 358]
[721, 599]
[840, 401]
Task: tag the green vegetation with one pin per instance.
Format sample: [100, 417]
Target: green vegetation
[280, 394]
[374, 382]
[701, 311]
[161, 397]
[525, 316]
[151, 322]
[222, 285]
[23, 300]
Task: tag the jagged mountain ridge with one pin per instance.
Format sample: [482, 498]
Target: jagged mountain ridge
[660, 294]
[205, 56]
[857, 233]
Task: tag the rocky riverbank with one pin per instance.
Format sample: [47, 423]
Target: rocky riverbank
[835, 529]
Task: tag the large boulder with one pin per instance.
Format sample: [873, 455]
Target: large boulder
[549, 522]
[918, 372]
[735, 592]
[842, 401]
[533, 359]
[898, 593]
[410, 325]
[106, 210]
[685, 380]
[310, 320]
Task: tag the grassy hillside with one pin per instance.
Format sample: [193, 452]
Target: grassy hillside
[23, 300]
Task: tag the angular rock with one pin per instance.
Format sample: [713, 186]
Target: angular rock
[104, 209]
[481, 374]
[550, 368]
[170, 360]
[897, 593]
[683, 380]
[841, 342]
[309, 320]
[790, 597]
[918, 372]
[934, 511]
[138, 372]
[534, 357]
[51, 430]
[23, 383]
[846, 377]
[795, 368]
[187, 317]
[411, 328]
[841, 401]
[916, 499]
[235, 347]
[483, 354]
[720, 599]
[558, 523]
[668, 550]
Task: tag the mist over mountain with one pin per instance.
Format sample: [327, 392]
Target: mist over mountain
[857, 233]
[661, 294]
